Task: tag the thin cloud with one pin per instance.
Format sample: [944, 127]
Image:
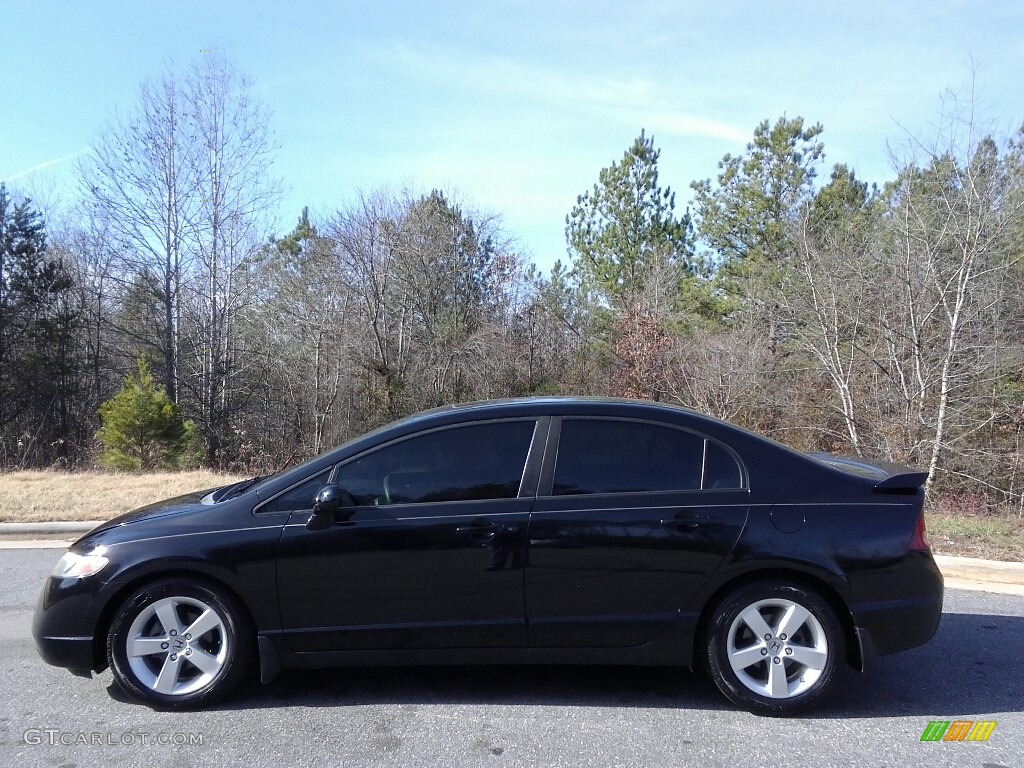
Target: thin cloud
[28, 171]
[687, 125]
[272, 82]
[636, 102]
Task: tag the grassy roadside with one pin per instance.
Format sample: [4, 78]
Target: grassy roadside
[30, 497]
[35, 497]
[989, 536]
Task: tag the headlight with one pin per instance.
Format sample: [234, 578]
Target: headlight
[73, 566]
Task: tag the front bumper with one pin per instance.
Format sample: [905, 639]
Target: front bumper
[73, 653]
[63, 634]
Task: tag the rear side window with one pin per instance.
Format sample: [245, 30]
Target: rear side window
[720, 468]
[607, 456]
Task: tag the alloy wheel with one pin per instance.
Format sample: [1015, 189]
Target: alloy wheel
[177, 645]
[777, 648]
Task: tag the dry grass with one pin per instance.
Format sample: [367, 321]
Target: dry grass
[31, 497]
[969, 535]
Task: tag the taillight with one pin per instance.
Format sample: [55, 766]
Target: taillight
[919, 539]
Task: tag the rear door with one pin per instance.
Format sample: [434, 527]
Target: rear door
[632, 518]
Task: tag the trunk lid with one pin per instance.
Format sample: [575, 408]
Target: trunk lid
[886, 475]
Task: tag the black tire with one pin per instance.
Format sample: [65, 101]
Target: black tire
[170, 668]
[809, 651]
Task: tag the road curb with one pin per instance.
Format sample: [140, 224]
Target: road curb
[36, 529]
[972, 570]
[976, 569]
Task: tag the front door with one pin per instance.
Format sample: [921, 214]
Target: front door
[433, 555]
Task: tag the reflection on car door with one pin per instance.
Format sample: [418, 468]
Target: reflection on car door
[433, 556]
[632, 518]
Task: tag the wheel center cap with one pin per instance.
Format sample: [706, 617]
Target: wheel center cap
[178, 644]
[775, 645]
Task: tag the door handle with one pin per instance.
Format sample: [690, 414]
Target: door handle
[685, 522]
[484, 531]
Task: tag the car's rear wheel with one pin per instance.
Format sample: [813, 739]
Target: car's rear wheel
[774, 647]
[178, 644]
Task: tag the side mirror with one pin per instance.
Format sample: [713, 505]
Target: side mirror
[329, 502]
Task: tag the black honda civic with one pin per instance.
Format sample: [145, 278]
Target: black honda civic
[538, 531]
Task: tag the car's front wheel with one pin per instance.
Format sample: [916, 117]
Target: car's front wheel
[774, 647]
[178, 644]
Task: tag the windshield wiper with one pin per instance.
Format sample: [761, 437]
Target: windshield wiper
[241, 487]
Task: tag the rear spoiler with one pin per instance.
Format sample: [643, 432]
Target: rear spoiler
[887, 476]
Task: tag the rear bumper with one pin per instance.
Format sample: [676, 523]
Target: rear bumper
[895, 627]
[906, 621]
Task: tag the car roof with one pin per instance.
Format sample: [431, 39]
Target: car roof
[571, 406]
[558, 404]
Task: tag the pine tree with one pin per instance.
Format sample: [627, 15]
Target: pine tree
[625, 228]
[143, 430]
[746, 218]
[22, 244]
[39, 362]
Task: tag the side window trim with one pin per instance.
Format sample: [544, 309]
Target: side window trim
[704, 464]
[547, 477]
[744, 476]
[534, 458]
[547, 471]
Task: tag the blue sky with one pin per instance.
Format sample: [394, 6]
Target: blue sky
[515, 105]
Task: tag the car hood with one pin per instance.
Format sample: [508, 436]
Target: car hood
[189, 502]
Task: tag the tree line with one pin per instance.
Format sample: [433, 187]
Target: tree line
[790, 297]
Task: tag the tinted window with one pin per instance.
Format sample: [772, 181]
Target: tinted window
[301, 497]
[720, 468]
[603, 456]
[476, 462]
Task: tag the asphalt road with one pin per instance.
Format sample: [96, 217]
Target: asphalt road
[564, 716]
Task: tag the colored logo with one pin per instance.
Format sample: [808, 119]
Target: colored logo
[958, 730]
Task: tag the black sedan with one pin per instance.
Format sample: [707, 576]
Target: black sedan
[541, 531]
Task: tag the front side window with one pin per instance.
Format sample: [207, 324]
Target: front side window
[299, 498]
[466, 463]
[608, 456]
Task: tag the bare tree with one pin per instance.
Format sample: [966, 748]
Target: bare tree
[720, 374]
[138, 181]
[825, 301]
[234, 193]
[305, 312]
[942, 269]
[364, 241]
